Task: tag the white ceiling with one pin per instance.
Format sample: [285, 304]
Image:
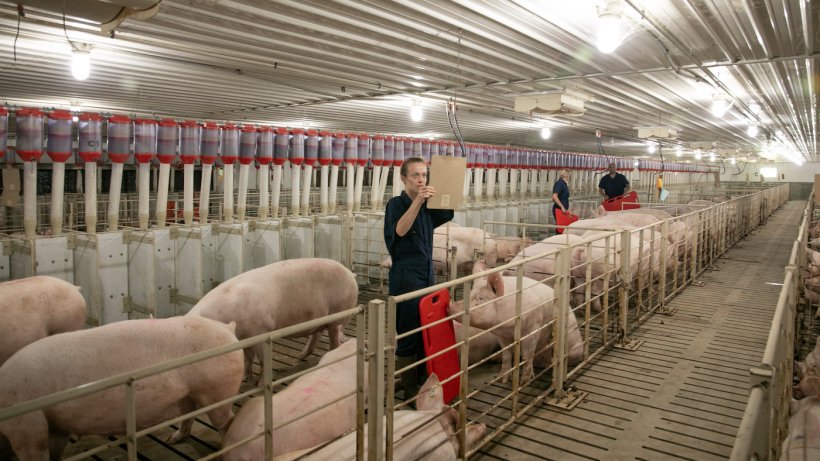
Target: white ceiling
[357, 64]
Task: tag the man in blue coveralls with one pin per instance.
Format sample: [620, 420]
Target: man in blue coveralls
[614, 184]
[408, 234]
[560, 195]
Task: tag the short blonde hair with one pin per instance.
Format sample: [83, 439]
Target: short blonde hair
[564, 173]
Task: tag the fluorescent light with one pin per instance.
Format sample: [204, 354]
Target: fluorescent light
[698, 153]
[679, 151]
[80, 64]
[752, 131]
[416, 113]
[720, 105]
[651, 148]
[768, 172]
[732, 161]
[610, 32]
[546, 132]
[711, 156]
[636, 163]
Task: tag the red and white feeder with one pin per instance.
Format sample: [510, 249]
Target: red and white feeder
[29, 126]
[325, 157]
[190, 144]
[264, 154]
[491, 153]
[145, 149]
[60, 128]
[339, 143]
[228, 153]
[119, 149]
[351, 155]
[90, 150]
[377, 154]
[362, 157]
[247, 154]
[280, 156]
[166, 154]
[207, 155]
[387, 164]
[311, 157]
[398, 159]
[296, 157]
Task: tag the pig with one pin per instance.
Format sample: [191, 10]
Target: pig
[803, 440]
[76, 358]
[580, 227]
[595, 255]
[428, 434]
[491, 309]
[507, 248]
[482, 343]
[280, 295]
[35, 307]
[467, 240]
[808, 372]
[301, 403]
[544, 268]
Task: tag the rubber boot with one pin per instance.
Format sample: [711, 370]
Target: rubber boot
[410, 378]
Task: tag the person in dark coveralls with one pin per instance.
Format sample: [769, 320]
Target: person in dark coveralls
[614, 184]
[560, 195]
[408, 234]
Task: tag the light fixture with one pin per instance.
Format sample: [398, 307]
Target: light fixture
[546, 132]
[732, 161]
[416, 112]
[636, 163]
[610, 32]
[651, 148]
[698, 153]
[711, 156]
[81, 62]
[752, 130]
[720, 104]
[679, 151]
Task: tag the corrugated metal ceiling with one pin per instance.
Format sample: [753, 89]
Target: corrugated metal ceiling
[357, 65]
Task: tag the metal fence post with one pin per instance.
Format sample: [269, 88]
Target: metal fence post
[360, 384]
[623, 290]
[375, 410]
[559, 370]
[267, 378]
[131, 420]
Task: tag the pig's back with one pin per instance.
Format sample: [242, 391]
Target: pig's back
[35, 307]
[70, 359]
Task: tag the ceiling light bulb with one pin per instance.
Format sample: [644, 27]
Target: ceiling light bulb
[732, 161]
[711, 156]
[720, 105]
[546, 132]
[651, 148]
[679, 152]
[636, 163]
[752, 131]
[610, 32]
[416, 113]
[698, 154]
[80, 64]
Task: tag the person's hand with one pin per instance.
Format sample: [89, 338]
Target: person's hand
[425, 192]
[567, 211]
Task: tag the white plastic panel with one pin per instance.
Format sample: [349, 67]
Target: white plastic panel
[5, 260]
[474, 216]
[460, 218]
[297, 238]
[190, 259]
[500, 215]
[330, 238]
[142, 294]
[165, 269]
[22, 264]
[265, 242]
[101, 271]
[369, 251]
[232, 254]
[513, 215]
[209, 266]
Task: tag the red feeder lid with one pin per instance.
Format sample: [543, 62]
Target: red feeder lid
[85, 116]
[119, 119]
[145, 121]
[60, 115]
[264, 129]
[229, 126]
[29, 111]
[248, 128]
[297, 131]
[210, 126]
[281, 130]
[388, 137]
[378, 137]
[312, 132]
[3, 111]
[170, 122]
[364, 136]
[188, 123]
[324, 133]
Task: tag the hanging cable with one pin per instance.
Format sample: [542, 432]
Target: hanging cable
[65, 31]
[20, 13]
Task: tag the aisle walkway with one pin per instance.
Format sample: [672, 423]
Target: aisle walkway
[682, 394]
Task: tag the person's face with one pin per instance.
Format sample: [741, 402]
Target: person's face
[566, 176]
[415, 179]
[612, 169]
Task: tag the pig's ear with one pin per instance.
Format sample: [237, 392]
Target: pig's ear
[430, 395]
[479, 266]
[232, 327]
[496, 283]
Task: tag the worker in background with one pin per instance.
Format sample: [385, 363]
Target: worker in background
[560, 195]
[659, 186]
[408, 234]
[613, 184]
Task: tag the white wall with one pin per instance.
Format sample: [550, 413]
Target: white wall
[786, 172]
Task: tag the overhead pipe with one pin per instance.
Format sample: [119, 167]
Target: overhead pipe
[90, 150]
[325, 157]
[311, 157]
[377, 154]
[145, 149]
[166, 158]
[338, 152]
[60, 128]
[228, 153]
[280, 156]
[190, 144]
[119, 149]
[247, 155]
[264, 155]
[362, 157]
[296, 158]
[398, 159]
[208, 155]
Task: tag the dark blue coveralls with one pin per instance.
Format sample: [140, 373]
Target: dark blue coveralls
[412, 265]
[613, 187]
[562, 190]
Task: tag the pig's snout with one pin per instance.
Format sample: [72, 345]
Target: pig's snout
[455, 307]
[797, 394]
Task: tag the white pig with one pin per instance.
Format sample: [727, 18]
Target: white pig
[280, 295]
[301, 403]
[544, 268]
[417, 435]
[803, 440]
[490, 307]
[35, 307]
[603, 257]
[76, 358]
[467, 240]
[482, 343]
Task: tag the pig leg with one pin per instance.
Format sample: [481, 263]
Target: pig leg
[311, 344]
[249, 355]
[335, 335]
[28, 435]
[186, 405]
[56, 445]
[506, 360]
[528, 347]
[221, 417]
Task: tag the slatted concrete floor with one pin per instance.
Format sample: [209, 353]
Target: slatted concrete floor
[682, 394]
